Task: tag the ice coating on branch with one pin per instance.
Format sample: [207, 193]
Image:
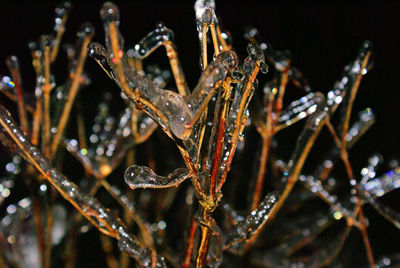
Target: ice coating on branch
[315, 186]
[6, 83]
[314, 225]
[177, 112]
[151, 42]
[143, 177]
[205, 11]
[366, 120]
[279, 59]
[371, 197]
[61, 12]
[86, 29]
[369, 172]
[257, 55]
[298, 79]
[142, 255]
[99, 54]
[87, 205]
[253, 222]
[171, 104]
[301, 108]
[109, 13]
[108, 144]
[214, 74]
[352, 71]
[382, 185]
[356, 131]
[12, 62]
[17, 235]
[388, 261]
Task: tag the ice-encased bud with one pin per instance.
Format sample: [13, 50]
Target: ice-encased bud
[256, 54]
[86, 29]
[177, 112]
[228, 58]
[109, 13]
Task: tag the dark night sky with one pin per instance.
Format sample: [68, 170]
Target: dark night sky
[323, 37]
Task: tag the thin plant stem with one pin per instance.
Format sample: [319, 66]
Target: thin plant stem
[204, 45]
[76, 81]
[215, 39]
[238, 123]
[176, 69]
[266, 139]
[189, 245]
[16, 76]
[46, 99]
[108, 250]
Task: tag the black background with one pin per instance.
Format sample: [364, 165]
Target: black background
[323, 37]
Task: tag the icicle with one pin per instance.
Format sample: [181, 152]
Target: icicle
[144, 177]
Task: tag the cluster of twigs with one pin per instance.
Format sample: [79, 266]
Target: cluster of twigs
[207, 125]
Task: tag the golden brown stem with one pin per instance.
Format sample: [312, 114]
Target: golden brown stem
[282, 89]
[266, 137]
[293, 176]
[108, 250]
[238, 123]
[46, 99]
[140, 138]
[57, 41]
[49, 228]
[136, 97]
[189, 245]
[204, 45]
[353, 94]
[2, 262]
[76, 81]
[225, 46]
[204, 104]
[145, 232]
[344, 155]
[215, 39]
[349, 171]
[81, 130]
[203, 248]
[176, 69]
[220, 137]
[37, 118]
[46, 132]
[16, 76]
